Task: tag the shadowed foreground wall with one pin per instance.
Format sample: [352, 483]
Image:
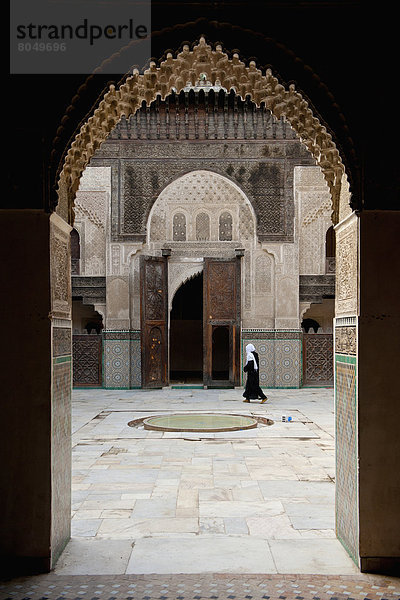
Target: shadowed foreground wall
[36, 404]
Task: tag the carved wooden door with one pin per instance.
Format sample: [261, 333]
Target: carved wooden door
[154, 320]
[317, 359]
[87, 359]
[221, 322]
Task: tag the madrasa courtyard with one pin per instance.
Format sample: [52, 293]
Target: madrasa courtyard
[234, 514]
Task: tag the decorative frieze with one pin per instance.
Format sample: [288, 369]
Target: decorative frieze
[346, 340]
[62, 341]
[60, 271]
[347, 266]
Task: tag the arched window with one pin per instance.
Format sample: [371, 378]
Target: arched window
[308, 324]
[179, 228]
[330, 250]
[225, 227]
[202, 227]
[75, 252]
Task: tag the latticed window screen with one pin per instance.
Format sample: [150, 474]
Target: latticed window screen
[225, 227]
[179, 228]
[202, 227]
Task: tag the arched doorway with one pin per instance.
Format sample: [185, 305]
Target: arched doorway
[371, 234]
[186, 333]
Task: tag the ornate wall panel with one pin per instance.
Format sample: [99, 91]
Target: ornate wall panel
[346, 454]
[61, 452]
[87, 360]
[317, 359]
[315, 217]
[179, 227]
[346, 340]
[90, 217]
[60, 269]
[135, 360]
[263, 274]
[204, 189]
[145, 165]
[117, 359]
[225, 227]
[347, 267]
[280, 356]
[202, 227]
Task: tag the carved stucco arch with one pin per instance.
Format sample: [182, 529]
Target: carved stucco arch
[174, 74]
[179, 275]
[174, 186]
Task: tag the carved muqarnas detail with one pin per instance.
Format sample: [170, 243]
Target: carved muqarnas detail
[174, 72]
[345, 340]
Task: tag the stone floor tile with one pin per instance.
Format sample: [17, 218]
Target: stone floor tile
[201, 555]
[322, 556]
[94, 557]
[84, 527]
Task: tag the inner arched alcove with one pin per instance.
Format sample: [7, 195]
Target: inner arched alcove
[186, 332]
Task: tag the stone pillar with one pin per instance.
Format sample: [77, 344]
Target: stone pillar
[36, 394]
[378, 391]
[367, 333]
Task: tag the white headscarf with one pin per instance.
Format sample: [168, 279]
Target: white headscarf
[250, 356]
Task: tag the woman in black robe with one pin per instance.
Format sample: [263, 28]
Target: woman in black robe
[252, 390]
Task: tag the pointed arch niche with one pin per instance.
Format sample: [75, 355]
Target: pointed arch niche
[187, 68]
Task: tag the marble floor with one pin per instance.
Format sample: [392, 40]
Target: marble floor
[253, 501]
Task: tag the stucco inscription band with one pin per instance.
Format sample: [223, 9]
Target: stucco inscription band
[200, 422]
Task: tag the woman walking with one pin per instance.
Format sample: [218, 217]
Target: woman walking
[252, 390]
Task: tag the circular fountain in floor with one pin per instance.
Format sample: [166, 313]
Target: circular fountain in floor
[203, 422]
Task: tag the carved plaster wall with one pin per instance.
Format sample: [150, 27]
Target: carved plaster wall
[214, 209]
[92, 214]
[227, 222]
[347, 267]
[313, 201]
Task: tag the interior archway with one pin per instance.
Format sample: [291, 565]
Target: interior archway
[186, 333]
[187, 68]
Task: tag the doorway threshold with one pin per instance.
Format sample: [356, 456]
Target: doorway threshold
[186, 386]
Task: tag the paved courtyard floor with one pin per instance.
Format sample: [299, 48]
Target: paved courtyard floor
[239, 514]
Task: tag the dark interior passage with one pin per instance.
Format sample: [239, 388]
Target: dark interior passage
[220, 353]
[186, 333]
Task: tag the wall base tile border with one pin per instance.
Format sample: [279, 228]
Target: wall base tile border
[280, 361]
[346, 434]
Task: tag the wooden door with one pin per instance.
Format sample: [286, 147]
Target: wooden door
[87, 359]
[221, 322]
[318, 359]
[154, 320]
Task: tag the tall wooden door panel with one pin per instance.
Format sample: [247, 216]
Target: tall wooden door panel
[87, 359]
[221, 321]
[154, 320]
[317, 359]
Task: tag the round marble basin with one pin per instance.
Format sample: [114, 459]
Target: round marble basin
[199, 422]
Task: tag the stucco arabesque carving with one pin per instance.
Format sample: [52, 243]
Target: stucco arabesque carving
[175, 73]
[178, 274]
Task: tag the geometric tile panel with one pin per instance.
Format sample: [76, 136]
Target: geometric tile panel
[116, 363]
[136, 364]
[346, 454]
[280, 361]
